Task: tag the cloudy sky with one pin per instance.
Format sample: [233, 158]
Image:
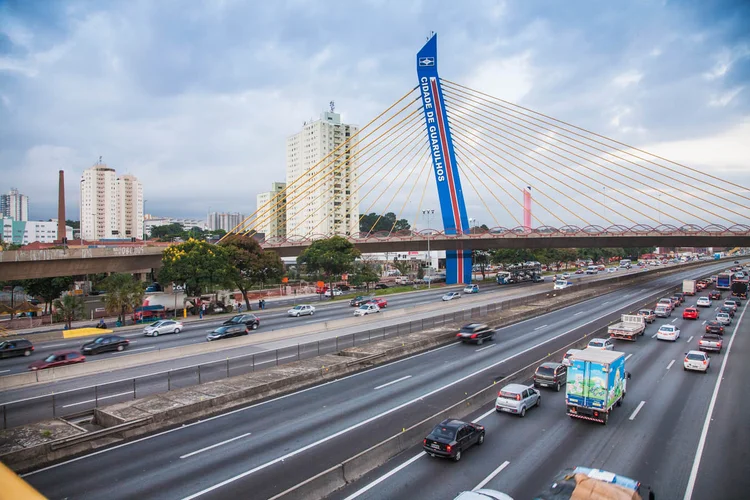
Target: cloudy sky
[196, 98]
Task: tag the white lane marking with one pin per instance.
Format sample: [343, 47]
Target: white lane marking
[483, 348]
[540, 327]
[642, 290]
[483, 415]
[670, 364]
[627, 295]
[654, 335]
[707, 422]
[628, 356]
[674, 320]
[605, 303]
[386, 476]
[393, 382]
[491, 476]
[94, 400]
[138, 349]
[691, 338]
[379, 415]
[56, 345]
[637, 409]
[579, 312]
[214, 445]
[703, 323]
[4, 371]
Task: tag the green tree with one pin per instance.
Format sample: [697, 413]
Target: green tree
[332, 256]
[482, 259]
[249, 264]
[124, 293]
[364, 274]
[386, 222]
[47, 289]
[403, 266]
[167, 232]
[70, 308]
[73, 223]
[197, 265]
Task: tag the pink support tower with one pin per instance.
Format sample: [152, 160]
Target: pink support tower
[527, 208]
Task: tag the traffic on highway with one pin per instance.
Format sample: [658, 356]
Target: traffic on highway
[276, 445]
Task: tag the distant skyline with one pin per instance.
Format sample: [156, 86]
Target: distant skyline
[196, 99]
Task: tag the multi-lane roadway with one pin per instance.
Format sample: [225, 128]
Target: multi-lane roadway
[266, 448]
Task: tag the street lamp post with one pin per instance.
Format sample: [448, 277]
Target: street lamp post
[429, 213]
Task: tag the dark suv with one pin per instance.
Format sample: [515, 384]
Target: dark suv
[715, 327]
[451, 437]
[360, 299]
[249, 320]
[11, 348]
[551, 375]
[475, 332]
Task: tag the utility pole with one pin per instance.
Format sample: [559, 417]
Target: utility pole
[429, 213]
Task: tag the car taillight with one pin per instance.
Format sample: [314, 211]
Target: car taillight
[705, 361]
[424, 442]
[686, 360]
[475, 335]
[448, 448]
[458, 335]
[518, 397]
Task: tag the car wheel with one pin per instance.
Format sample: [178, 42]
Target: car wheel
[539, 401]
[557, 387]
[523, 412]
[28, 353]
[156, 334]
[481, 438]
[458, 456]
[255, 326]
[176, 331]
[619, 402]
[480, 341]
[312, 312]
[120, 347]
[684, 368]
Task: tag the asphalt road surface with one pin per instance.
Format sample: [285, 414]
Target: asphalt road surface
[265, 448]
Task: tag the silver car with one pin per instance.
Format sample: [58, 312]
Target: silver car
[517, 398]
[161, 327]
[301, 310]
[724, 318]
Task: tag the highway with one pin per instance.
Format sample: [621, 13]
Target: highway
[654, 437]
[265, 448]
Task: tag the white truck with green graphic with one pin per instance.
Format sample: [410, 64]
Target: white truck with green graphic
[597, 382]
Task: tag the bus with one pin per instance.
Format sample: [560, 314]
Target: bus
[626, 263]
[724, 280]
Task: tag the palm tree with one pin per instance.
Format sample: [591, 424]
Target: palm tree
[124, 293]
[70, 308]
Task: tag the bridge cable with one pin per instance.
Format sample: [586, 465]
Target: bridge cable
[421, 199]
[603, 166]
[723, 188]
[561, 173]
[465, 174]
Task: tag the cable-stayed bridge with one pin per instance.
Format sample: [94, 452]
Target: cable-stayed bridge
[506, 176]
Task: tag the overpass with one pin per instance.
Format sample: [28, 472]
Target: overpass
[27, 264]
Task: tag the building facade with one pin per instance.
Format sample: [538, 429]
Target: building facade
[14, 205]
[25, 232]
[111, 206]
[321, 194]
[271, 212]
[225, 221]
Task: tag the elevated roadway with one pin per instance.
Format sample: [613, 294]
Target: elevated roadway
[271, 446]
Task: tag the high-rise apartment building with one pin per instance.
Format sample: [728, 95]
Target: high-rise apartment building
[327, 207]
[14, 205]
[111, 206]
[271, 212]
[225, 221]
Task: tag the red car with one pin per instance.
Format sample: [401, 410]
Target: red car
[380, 302]
[690, 313]
[61, 358]
[714, 295]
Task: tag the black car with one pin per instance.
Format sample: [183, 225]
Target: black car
[680, 296]
[714, 295]
[475, 332]
[225, 332]
[677, 300]
[451, 437]
[344, 288]
[105, 343]
[714, 327]
[380, 286]
[249, 320]
[12, 348]
[360, 299]
[551, 375]
[727, 309]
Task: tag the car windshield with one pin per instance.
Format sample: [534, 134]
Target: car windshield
[50, 358]
[667, 328]
[444, 432]
[364, 306]
[695, 356]
[559, 282]
[158, 323]
[297, 308]
[644, 312]
[99, 340]
[596, 343]
[545, 370]
[221, 329]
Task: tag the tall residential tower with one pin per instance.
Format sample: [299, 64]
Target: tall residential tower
[271, 211]
[14, 205]
[331, 206]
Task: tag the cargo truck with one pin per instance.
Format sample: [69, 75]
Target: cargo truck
[597, 382]
[739, 289]
[584, 483]
[629, 327]
[688, 287]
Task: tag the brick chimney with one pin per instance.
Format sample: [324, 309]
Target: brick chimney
[61, 233]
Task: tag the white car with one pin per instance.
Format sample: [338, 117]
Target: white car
[561, 285]
[301, 310]
[366, 309]
[611, 269]
[162, 327]
[471, 289]
[336, 292]
[696, 360]
[566, 276]
[668, 332]
[452, 295]
[703, 302]
[568, 355]
[601, 344]
[724, 318]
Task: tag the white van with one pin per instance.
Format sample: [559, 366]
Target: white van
[592, 270]
[625, 263]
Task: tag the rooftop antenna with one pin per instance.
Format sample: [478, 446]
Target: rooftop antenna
[100, 160]
[333, 106]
